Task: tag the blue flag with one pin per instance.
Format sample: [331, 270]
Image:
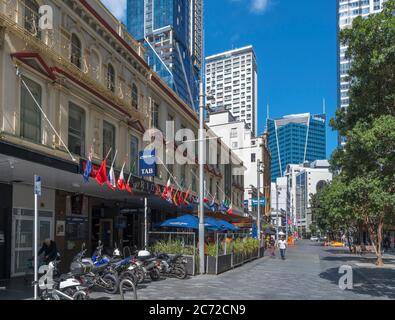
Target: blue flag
[88, 169]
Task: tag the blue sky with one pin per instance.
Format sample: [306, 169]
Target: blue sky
[295, 44]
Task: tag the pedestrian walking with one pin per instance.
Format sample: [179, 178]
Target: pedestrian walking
[272, 246]
[282, 244]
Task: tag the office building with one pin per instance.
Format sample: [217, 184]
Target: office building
[348, 10]
[232, 83]
[237, 135]
[172, 31]
[303, 181]
[296, 139]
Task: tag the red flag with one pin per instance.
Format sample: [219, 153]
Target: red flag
[121, 180]
[166, 190]
[101, 176]
[127, 185]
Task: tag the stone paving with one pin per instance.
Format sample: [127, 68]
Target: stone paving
[310, 271]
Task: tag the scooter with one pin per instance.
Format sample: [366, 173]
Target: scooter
[96, 271]
[144, 267]
[64, 287]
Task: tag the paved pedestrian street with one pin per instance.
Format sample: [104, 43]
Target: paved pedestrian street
[310, 271]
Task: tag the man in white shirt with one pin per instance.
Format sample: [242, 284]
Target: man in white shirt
[282, 244]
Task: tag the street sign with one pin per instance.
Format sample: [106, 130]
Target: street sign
[254, 202]
[147, 161]
[37, 185]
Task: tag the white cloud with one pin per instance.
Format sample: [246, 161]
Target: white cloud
[259, 6]
[117, 7]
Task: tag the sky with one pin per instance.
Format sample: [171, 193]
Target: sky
[295, 45]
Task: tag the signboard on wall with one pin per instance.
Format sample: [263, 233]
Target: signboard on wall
[147, 163]
[77, 228]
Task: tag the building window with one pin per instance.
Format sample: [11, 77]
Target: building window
[134, 155]
[235, 145]
[30, 114]
[253, 157]
[135, 96]
[32, 17]
[108, 140]
[155, 116]
[76, 51]
[233, 133]
[110, 78]
[76, 130]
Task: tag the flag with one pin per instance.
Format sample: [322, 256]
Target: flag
[180, 199]
[121, 180]
[88, 167]
[186, 198]
[230, 210]
[166, 189]
[175, 198]
[127, 186]
[101, 176]
[111, 182]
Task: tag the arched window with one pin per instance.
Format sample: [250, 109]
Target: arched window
[32, 17]
[135, 96]
[110, 78]
[76, 51]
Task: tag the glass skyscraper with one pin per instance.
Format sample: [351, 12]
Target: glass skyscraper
[172, 31]
[295, 139]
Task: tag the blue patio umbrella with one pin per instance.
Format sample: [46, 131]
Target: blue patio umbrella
[188, 222]
[227, 226]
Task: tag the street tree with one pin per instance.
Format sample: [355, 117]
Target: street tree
[366, 165]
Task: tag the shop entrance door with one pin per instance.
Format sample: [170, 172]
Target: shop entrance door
[106, 232]
[23, 237]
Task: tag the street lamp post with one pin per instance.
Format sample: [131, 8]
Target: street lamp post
[201, 178]
[259, 200]
[276, 211]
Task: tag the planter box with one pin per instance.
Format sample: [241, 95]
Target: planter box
[224, 263]
[190, 266]
[218, 265]
[211, 265]
[238, 259]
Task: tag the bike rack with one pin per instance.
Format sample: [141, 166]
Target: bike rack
[130, 283]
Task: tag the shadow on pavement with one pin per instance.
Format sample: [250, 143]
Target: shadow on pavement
[358, 259]
[373, 282]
